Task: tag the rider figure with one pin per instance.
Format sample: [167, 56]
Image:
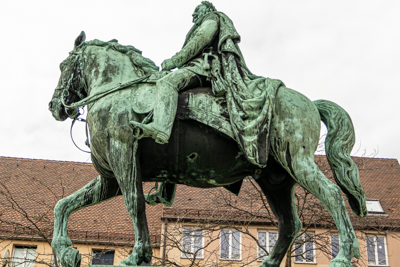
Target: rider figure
[190, 74]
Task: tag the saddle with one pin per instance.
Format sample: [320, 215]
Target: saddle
[201, 105]
[197, 104]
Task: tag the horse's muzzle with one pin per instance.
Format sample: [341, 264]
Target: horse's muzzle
[57, 110]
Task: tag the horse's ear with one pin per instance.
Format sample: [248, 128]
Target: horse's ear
[80, 39]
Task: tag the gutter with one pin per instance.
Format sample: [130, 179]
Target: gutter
[76, 241]
[164, 242]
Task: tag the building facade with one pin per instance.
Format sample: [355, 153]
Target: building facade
[204, 227]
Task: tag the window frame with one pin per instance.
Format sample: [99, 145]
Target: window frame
[24, 262]
[376, 263]
[267, 243]
[338, 245]
[192, 244]
[374, 206]
[230, 234]
[101, 252]
[303, 259]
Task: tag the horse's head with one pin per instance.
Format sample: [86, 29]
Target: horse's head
[94, 67]
[71, 85]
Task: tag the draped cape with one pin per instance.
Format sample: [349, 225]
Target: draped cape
[250, 98]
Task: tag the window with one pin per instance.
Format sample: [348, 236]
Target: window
[267, 241]
[101, 257]
[376, 251]
[304, 249]
[374, 206]
[230, 245]
[192, 243]
[334, 245]
[24, 256]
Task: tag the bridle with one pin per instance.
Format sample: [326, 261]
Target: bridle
[73, 87]
[75, 84]
[81, 84]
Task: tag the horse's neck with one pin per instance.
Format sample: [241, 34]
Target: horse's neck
[106, 68]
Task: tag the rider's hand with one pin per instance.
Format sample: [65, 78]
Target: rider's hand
[168, 64]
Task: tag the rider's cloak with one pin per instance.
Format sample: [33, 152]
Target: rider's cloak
[250, 98]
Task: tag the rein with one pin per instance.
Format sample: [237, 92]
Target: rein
[87, 133]
[91, 99]
[77, 68]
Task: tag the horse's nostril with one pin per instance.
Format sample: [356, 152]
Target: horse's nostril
[50, 105]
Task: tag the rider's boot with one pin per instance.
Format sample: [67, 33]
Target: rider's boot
[163, 116]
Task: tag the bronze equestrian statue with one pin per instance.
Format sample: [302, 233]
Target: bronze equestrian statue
[213, 122]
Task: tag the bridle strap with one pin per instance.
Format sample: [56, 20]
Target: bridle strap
[90, 99]
[72, 138]
[67, 89]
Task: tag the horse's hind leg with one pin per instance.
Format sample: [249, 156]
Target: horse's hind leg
[96, 191]
[308, 175]
[281, 200]
[165, 194]
[125, 165]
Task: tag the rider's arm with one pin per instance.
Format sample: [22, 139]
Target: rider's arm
[197, 43]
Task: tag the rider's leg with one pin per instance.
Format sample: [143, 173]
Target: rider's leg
[166, 103]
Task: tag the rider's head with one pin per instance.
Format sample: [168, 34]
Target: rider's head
[201, 10]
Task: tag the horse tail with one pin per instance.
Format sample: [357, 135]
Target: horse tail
[338, 144]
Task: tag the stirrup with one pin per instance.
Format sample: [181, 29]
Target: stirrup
[147, 130]
[162, 138]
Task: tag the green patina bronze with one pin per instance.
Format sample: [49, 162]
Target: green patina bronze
[212, 123]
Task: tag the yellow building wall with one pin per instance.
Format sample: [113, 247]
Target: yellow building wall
[211, 252]
[249, 248]
[393, 245]
[212, 243]
[44, 251]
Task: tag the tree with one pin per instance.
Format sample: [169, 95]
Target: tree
[29, 190]
[223, 210]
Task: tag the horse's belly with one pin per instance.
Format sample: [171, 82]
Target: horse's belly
[196, 155]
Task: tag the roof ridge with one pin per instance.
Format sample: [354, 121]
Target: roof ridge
[47, 160]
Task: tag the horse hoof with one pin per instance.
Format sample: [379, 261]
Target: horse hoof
[356, 249]
[130, 261]
[340, 263]
[139, 254]
[70, 257]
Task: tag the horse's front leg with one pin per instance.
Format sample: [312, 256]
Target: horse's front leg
[96, 191]
[124, 163]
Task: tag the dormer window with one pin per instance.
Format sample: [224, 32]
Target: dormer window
[374, 206]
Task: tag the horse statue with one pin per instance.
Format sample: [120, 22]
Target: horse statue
[118, 85]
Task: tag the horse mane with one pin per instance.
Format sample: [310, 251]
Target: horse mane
[135, 55]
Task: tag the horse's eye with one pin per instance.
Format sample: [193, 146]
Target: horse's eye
[63, 64]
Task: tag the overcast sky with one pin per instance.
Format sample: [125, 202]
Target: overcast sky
[344, 51]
